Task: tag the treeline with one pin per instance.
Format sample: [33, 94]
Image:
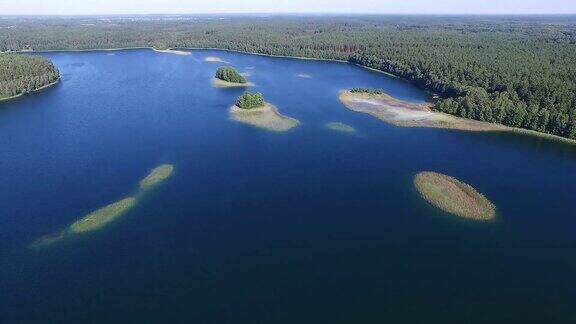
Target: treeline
[367, 91]
[21, 74]
[518, 71]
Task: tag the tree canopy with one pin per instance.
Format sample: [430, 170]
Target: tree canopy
[250, 100]
[518, 71]
[229, 74]
[20, 74]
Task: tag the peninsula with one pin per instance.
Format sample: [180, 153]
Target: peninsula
[22, 74]
[405, 114]
[251, 109]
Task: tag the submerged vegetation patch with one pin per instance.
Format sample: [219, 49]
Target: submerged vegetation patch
[109, 213]
[453, 196]
[156, 176]
[340, 127]
[101, 217]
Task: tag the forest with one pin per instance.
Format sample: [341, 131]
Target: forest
[515, 70]
[20, 74]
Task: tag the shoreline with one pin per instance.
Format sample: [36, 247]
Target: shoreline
[508, 129]
[404, 114]
[30, 92]
[218, 83]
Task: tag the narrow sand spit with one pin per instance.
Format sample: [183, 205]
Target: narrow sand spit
[214, 59]
[266, 117]
[341, 127]
[217, 83]
[405, 114]
[454, 196]
[171, 51]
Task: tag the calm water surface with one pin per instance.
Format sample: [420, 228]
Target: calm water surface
[310, 226]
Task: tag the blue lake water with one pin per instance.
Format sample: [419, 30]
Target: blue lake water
[309, 226]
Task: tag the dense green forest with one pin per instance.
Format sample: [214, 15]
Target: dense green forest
[249, 100]
[21, 74]
[229, 74]
[518, 71]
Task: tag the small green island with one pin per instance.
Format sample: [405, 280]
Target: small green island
[453, 196]
[228, 77]
[252, 109]
[22, 74]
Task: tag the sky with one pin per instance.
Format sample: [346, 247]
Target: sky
[94, 7]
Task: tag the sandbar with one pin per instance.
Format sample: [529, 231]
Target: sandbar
[218, 83]
[156, 176]
[340, 127]
[453, 196]
[171, 51]
[304, 76]
[214, 59]
[103, 216]
[266, 117]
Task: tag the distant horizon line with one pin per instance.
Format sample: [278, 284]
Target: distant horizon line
[285, 14]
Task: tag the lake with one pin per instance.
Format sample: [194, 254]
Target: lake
[307, 226]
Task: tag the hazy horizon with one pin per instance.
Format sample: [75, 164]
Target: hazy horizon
[191, 7]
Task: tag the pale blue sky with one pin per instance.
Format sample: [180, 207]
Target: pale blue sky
[66, 7]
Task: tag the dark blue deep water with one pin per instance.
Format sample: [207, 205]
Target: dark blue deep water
[309, 226]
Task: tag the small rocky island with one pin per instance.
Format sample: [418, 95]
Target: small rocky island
[453, 196]
[252, 109]
[228, 77]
